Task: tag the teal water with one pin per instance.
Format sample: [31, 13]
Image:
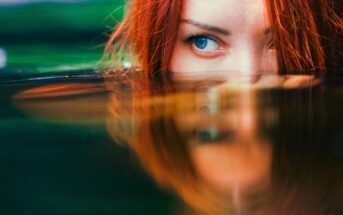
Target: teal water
[58, 154]
[60, 122]
[55, 151]
[59, 163]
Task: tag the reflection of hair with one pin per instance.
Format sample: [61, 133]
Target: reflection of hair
[306, 153]
[149, 128]
[308, 33]
[304, 176]
[165, 155]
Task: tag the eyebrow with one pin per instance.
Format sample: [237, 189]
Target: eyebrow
[205, 26]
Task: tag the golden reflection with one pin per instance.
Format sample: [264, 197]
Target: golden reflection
[67, 103]
[224, 148]
[214, 145]
[209, 152]
[58, 90]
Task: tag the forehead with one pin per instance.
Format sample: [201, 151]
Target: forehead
[229, 14]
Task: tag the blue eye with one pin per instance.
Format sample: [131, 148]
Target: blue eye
[200, 42]
[205, 43]
[204, 46]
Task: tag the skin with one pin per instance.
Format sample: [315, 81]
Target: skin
[235, 158]
[238, 46]
[238, 41]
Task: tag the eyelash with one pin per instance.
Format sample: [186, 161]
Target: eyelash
[191, 39]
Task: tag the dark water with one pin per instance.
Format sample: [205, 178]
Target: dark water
[79, 143]
[57, 156]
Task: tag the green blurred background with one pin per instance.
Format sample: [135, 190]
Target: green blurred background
[39, 36]
[52, 166]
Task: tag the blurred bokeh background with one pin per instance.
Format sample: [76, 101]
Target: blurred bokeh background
[39, 36]
[58, 167]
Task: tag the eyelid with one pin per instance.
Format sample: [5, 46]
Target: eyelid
[189, 39]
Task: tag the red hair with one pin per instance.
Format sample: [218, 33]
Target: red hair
[150, 28]
[308, 37]
[308, 34]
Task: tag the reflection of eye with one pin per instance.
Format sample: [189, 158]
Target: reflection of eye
[211, 135]
[204, 45]
[271, 45]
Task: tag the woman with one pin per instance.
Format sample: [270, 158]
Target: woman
[177, 41]
[248, 37]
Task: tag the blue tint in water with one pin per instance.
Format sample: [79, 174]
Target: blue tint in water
[3, 58]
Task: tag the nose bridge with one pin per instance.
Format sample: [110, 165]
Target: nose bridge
[246, 63]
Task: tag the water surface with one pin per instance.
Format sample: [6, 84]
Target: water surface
[110, 143]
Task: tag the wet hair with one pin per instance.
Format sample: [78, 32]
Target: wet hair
[307, 34]
[308, 38]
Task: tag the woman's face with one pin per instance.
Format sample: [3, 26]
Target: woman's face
[230, 38]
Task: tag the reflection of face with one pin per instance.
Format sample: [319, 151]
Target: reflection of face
[226, 148]
[224, 35]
